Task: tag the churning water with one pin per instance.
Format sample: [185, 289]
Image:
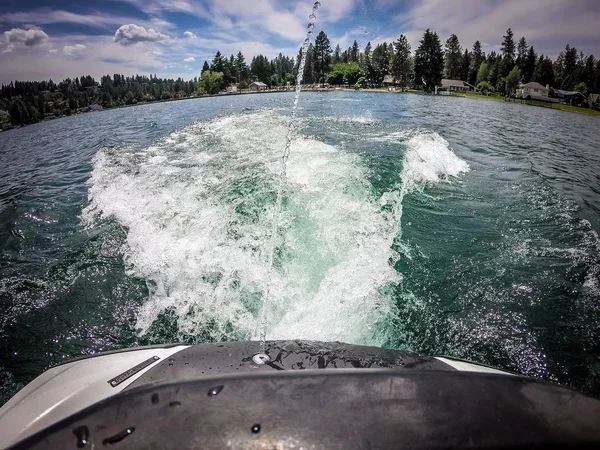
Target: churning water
[439, 225]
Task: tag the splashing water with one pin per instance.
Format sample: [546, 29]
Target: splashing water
[198, 213]
[284, 159]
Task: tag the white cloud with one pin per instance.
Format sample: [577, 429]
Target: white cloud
[131, 34]
[72, 49]
[9, 49]
[29, 38]
[95, 19]
[190, 59]
[190, 35]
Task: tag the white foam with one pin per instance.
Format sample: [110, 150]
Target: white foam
[428, 160]
[198, 228]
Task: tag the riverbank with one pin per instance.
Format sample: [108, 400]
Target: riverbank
[94, 108]
[539, 104]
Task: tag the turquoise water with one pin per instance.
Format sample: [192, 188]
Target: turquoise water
[439, 225]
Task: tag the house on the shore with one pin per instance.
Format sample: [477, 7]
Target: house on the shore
[390, 81]
[573, 98]
[594, 101]
[232, 89]
[457, 86]
[257, 86]
[534, 91]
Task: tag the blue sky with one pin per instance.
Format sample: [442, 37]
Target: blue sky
[65, 38]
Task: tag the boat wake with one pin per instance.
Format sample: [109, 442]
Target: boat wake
[198, 207]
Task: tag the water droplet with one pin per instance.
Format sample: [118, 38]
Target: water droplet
[175, 404]
[213, 392]
[260, 359]
[155, 398]
[255, 428]
[317, 5]
[310, 26]
[171, 361]
[119, 436]
[312, 16]
[83, 435]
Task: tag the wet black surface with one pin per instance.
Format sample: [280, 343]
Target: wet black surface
[333, 409]
[236, 357]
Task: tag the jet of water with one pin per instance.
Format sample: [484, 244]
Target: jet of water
[282, 172]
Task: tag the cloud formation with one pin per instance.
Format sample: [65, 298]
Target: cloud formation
[190, 59]
[131, 34]
[29, 38]
[190, 35]
[72, 49]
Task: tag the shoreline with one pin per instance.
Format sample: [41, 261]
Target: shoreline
[559, 107]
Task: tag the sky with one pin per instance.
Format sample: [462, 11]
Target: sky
[42, 39]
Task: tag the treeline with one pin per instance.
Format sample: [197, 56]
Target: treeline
[31, 101]
[424, 68]
[28, 102]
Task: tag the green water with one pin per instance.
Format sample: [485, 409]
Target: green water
[439, 225]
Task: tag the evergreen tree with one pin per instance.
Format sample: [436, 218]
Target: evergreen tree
[309, 69]
[337, 55]
[522, 50]
[354, 52]
[367, 65]
[241, 69]
[465, 66]
[322, 56]
[429, 61]
[477, 57]
[529, 66]
[205, 67]
[217, 63]
[508, 47]
[544, 72]
[380, 62]
[453, 58]
[402, 61]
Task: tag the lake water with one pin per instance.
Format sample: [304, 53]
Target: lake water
[440, 225]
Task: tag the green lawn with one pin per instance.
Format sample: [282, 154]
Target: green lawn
[497, 97]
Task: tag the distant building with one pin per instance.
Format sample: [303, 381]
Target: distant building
[457, 85]
[594, 101]
[232, 89]
[389, 80]
[533, 91]
[574, 98]
[258, 86]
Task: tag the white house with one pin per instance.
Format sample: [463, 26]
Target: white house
[258, 86]
[533, 91]
[232, 89]
[456, 85]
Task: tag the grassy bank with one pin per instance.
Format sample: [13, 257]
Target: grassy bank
[588, 111]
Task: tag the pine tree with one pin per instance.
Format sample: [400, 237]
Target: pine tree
[402, 61]
[522, 50]
[453, 58]
[337, 55]
[529, 67]
[429, 61]
[217, 63]
[322, 56]
[465, 66]
[508, 47]
[354, 52]
[205, 67]
[477, 57]
[544, 72]
[380, 62]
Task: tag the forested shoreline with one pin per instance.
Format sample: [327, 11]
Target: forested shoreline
[25, 102]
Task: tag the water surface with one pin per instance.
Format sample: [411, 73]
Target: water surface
[439, 225]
